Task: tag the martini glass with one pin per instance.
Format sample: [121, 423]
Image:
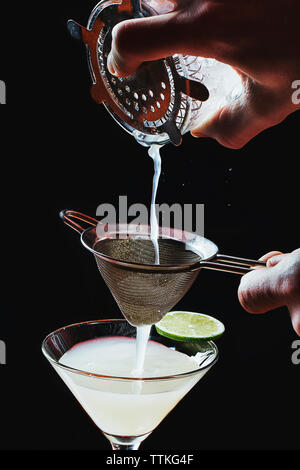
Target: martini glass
[124, 407]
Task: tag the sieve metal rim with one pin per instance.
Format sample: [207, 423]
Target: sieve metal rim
[151, 268]
[237, 265]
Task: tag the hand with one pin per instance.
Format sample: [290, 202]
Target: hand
[273, 286]
[259, 38]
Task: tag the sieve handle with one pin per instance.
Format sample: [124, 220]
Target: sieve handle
[67, 215]
[231, 264]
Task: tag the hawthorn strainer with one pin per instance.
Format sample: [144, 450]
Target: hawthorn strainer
[125, 255]
[162, 100]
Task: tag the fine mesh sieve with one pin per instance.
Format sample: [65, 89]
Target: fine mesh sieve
[161, 100]
[125, 256]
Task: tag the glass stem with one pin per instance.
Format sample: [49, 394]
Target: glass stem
[133, 446]
[125, 442]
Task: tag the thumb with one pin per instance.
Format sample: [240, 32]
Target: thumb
[235, 124]
[257, 291]
[138, 40]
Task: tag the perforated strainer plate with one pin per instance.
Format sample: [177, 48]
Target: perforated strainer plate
[157, 99]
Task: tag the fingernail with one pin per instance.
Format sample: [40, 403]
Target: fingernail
[110, 64]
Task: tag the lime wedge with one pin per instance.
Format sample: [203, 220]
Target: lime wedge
[189, 326]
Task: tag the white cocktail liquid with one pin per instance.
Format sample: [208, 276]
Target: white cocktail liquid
[119, 407]
[154, 153]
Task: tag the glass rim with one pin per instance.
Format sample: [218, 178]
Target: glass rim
[122, 378]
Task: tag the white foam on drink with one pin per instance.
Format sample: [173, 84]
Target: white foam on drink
[115, 356]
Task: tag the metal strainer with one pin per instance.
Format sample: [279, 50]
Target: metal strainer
[161, 100]
[125, 256]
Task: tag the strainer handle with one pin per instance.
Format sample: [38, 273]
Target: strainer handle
[231, 264]
[67, 215]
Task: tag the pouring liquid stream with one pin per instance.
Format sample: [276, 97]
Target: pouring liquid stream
[142, 333]
[154, 153]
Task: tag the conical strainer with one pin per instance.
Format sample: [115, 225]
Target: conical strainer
[125, 256]
[162, 100]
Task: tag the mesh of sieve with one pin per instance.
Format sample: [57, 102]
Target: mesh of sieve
[144, 297]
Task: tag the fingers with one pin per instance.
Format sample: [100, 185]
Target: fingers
[257, 292]
[294, 304]
[269, 255]
[273, 286]
[155, 37]
[272, 258]
[139, 40]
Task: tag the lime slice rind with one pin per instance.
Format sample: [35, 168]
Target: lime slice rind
[189, 326]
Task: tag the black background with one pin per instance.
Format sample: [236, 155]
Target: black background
[61, 150]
